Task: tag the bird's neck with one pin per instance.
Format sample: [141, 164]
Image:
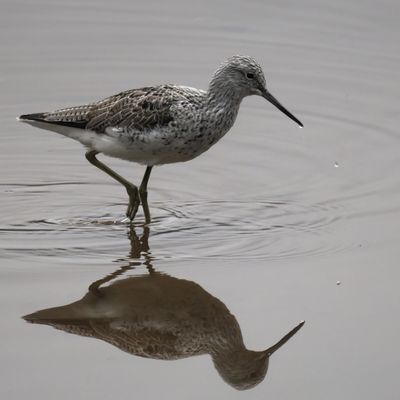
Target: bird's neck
[229, 339]
[223, 101]
[223, 92]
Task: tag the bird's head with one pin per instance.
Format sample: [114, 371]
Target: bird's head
[246, 76]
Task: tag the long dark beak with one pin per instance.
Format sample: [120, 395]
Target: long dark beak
[267, 95]
[289, 335]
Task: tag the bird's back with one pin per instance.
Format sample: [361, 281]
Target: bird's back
[142, 108]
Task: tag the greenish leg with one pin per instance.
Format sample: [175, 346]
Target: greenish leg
[132, 190]
[143, 194]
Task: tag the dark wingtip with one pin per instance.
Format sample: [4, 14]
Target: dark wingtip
[27, 318]
[41, 117]
[31, 117]
[31, 318]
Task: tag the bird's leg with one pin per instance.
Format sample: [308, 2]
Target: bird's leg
[132, 190]
[94, 287]
[143, 194]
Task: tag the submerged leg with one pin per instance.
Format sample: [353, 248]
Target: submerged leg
[94, 287]
[139, 248]
[143, 194]
[132, 190]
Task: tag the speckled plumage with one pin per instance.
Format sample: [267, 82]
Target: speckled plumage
[161, 124]
[152, 125]
[162, 317]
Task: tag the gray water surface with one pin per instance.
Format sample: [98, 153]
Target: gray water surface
[275, 223]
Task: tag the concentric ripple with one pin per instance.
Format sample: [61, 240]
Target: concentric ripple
[217, 229]
[249, 229]
[316, 186]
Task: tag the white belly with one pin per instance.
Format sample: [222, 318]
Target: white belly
[149, 152]
[151, 148]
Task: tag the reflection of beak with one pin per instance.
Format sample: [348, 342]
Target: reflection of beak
[267, 95]
[279, 344]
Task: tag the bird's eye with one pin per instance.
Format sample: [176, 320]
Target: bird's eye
[249, 75]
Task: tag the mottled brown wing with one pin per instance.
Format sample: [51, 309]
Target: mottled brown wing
[134, 110]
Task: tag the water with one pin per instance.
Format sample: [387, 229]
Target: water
[267, 222]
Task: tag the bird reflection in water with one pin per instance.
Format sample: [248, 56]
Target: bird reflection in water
[162, 317]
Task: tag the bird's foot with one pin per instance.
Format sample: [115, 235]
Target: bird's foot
[134, 202]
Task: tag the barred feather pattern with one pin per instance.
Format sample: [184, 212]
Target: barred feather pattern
[159, 124]
[131, 110]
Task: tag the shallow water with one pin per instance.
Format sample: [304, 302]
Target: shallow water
[276, 223]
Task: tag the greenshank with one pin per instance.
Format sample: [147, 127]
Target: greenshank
[159, 124]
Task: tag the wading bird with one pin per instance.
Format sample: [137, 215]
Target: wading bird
[159, 124]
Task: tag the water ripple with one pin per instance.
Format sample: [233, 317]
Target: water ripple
[218, 229]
